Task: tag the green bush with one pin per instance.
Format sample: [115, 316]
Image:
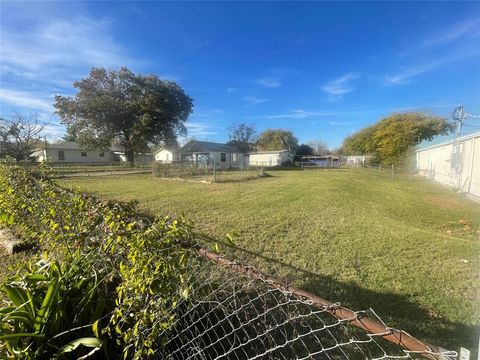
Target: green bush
[142, 263]
[180, 170]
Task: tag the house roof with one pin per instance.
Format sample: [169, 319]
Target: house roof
[65, 146]
[194, 146]
[268, 152]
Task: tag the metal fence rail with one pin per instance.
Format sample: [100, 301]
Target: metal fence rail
[236, 312]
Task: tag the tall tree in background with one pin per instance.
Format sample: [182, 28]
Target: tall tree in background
[392, 138]
[132, 110]
[19, 135]
[304, 150]
[277, 139]
[242, 136]
[319, 147]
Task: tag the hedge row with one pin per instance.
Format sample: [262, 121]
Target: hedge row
[107, 278]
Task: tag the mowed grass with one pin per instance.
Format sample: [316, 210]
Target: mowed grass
[407, 248]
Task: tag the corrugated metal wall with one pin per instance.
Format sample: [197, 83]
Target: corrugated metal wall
[453, 163]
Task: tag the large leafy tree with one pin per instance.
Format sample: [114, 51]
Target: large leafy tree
[19, 134]
[392, 138]
[242, 136]
[277, 139]
[121, 107]
[304, 150]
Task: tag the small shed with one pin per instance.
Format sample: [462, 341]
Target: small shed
[270, 158]
[166, 156]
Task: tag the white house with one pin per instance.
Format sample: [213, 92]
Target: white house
[166, 156]
[455, 163]
[270, 158]
[209, 153]
[70, 152]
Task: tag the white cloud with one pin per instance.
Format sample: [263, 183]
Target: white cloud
[231, 89]
[198, 129]
[337, 88]
[54, 132]
[57, 45]
[253, 100]
[269, 82]
[24, 99]
[340, 123]
[406, 75]
[304, 114]
[467, 29]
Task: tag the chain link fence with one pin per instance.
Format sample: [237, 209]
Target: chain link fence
[208, 172]
[235, 312]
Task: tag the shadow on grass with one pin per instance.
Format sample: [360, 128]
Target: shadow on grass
[395, 310]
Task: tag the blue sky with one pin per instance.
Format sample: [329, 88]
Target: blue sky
[322, 70]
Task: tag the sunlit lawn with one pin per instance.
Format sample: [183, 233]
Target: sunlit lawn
[407, 248]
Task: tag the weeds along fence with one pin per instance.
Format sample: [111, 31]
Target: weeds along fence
[236, 312]
[79, 169]
[209, 172]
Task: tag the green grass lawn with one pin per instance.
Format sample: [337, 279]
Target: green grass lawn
[409, 249]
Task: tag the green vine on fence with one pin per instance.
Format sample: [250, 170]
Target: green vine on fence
[136, 267]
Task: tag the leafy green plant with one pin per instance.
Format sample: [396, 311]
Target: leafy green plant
[51, 309]
[142, 265]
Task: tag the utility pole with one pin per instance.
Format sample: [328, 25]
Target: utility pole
[458, 116]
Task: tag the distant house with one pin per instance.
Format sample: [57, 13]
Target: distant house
[210, 153]
[270, 158]
[71, 152]
[166, 155]
[357, 160]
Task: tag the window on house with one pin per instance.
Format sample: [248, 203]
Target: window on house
[102, 154]
[84, 153]
[223, 157]
[61, 155]
[234, 157]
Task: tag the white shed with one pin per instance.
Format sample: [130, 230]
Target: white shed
[455, 163]
[166, 156]
[270, 158]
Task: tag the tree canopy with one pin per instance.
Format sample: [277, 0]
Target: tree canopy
[19, 134]
[304, 150]
[277, 139]
[242, 136]
[131, 110]
[390, 139]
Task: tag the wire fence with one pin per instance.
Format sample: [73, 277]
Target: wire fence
[208, 172]
[233, 311]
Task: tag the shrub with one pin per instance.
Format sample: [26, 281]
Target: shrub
[142, 261]
[180, 170]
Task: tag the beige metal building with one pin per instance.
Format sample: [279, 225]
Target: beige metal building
[455, 163]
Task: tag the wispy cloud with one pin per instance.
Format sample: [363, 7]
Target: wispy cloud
[25, 99]
[467, 29]
[198, 129]
[254, 100]
[337, 88]
[305, 114]
[231, 89]
[408, 73]
[269, 82]
[340, 123]
[58, 45]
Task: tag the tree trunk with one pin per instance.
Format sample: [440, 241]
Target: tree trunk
[130, 155]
